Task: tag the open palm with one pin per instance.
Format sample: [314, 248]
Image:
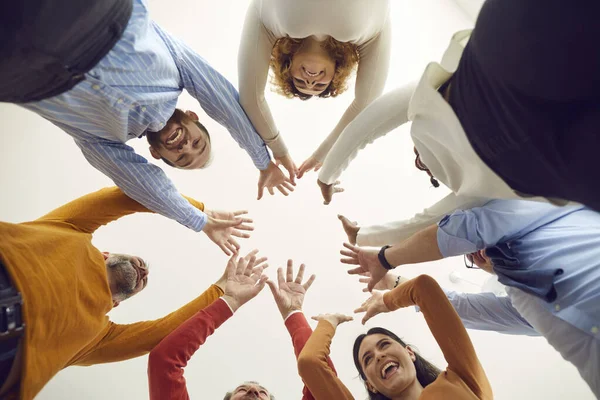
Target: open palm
[289, 294]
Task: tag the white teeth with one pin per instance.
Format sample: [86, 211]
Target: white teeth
[176, 138]
[386, 366]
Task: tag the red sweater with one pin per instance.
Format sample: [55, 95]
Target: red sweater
[171, 355]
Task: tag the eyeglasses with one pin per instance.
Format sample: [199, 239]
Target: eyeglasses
[469, 262]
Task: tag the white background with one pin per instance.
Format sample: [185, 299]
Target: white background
[43, 169]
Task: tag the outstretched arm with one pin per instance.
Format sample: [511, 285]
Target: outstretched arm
[217, 97]
[370, 80]
[315, 371]
[168, 359]
[446, 327]
[380, 117]
[254, 56]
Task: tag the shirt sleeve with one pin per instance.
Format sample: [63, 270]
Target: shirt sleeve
[167, 360]
[93, 210]
[488, 312]
[317, 374]
[380, 117]
[300, 331]
[124, 341]
[144, 182]
[397, 231]
[218, 98]
[254, 55]
[446, 327]
[372, 73]
[497, 221]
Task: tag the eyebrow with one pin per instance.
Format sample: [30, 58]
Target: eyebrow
[369, 352]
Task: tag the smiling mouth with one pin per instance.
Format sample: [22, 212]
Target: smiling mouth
[389, 369]
[175, 137]
[311, 74]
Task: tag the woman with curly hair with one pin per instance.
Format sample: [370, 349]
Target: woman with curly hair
[312, 48]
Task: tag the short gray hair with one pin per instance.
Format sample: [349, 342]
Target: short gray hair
[229, 394]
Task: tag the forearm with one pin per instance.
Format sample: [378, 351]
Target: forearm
[395, 232]
[143, 182]
[314, 370]
[123, 342]
[380, 117]
[420, 247]
[167, 360]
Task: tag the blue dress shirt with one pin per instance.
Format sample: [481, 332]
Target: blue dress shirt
[134, 89]
[550, 252]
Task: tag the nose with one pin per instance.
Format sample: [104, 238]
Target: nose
[185, 145]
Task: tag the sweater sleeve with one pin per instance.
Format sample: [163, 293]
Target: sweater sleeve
[254, 56]
[168, 359]
[373, 66]
[447, 328]
[317, 374]
[380, 117]
[395, 232]
[124, 341]
[300, 331]
[93, 210]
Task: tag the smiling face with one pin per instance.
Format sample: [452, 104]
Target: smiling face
[182, 143]
[127, 275]
[387, 365]
[250, 391]
[312, 71]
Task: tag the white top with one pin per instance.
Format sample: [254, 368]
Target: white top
[362, 22]
[439, 138]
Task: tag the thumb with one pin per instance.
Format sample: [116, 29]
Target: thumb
[370, 314]
[273, 288]
[371, 285]
[261, 283]
[261, 189]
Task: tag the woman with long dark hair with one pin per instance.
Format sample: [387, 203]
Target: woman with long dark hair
[390, 368]
[311, 48]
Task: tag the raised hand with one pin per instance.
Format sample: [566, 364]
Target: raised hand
[289, 164]
[373, 306]
[310, 164]
[244, 280]
[351, 228]
[333, 319]
[367, 260]
[260, 264]
[387, 283]
[222, 226]
[328, 190]
[289, 296]
[273, 177]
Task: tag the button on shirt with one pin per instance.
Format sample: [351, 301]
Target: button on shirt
[133, 90]
[530, 242]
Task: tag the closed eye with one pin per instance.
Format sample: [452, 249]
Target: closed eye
[195, 144]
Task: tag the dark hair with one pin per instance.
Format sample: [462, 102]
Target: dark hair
[426, 371]
[179, 117]
[345, 55]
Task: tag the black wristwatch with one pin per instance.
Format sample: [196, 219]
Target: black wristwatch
[382, 260]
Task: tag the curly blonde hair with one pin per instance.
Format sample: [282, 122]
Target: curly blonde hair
[344, 54]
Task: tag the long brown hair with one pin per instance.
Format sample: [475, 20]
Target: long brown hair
[345, 56]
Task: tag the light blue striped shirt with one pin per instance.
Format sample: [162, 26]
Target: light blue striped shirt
[134, 89]
[528, 243]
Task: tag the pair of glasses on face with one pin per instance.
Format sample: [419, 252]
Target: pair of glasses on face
[469, 262]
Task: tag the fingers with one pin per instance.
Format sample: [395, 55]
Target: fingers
[240, 266]
[318, 167]
[337, 190]
[251, 254]
[355, 249]
[348, 253]
[371, 285]
[271, 192]
[244, 227]
[289, 276]
[288, 186]
[353, 261]
[300, 274]
[233, 243]
[260, 261]
[239, 234]
[231, 266]
[273, 288]
[280, 279]
[355, 270]
[225, 249]
[282, 190]
[261, 189]
[364, 280]
[240, 212]
[309, 282]
[365, 273]
[249, 266]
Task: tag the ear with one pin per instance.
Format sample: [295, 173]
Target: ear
[116, 303]
[154, 153]
[192, 115]
[371, 388]
[411, 353]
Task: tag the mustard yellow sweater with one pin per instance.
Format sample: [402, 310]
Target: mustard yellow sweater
[62, 278]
